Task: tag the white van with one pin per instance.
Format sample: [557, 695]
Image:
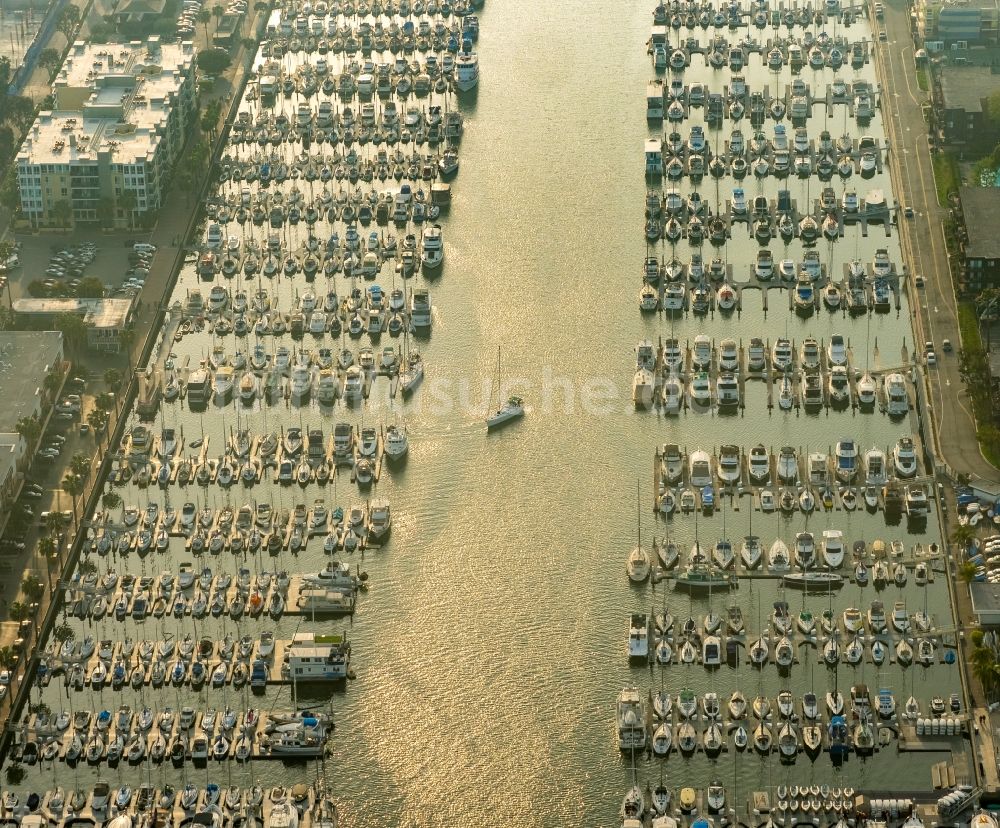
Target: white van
[142, 247]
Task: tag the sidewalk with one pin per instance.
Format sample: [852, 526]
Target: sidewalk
[922, 237]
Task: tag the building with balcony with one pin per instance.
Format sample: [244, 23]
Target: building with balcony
[963, 92]
[981, 247]
[104, 153]
[974, 22]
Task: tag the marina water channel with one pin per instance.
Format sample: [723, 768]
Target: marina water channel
[490, 645]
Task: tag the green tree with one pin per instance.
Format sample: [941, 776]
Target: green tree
[113, 379]
[8, 658]
[30, 429]
[8, 145]
[105, 210]
[204, 15]
[62, 213]
[19, 111]
[73, 484]
[50, 58]
[962, 535]
[105, 402]
[10, 195]
[126, 339]
[90, 287]
[18, 611]
[79, 464]
[6, 251]
[128, 201]
[53, 381]
[32, 587]
[73, 328]
[214, 61]
[976, 637]
[111, 500]
[984, 668]
[63, 633]
[68, 20]
[53, 523]
[967, 571]
[48, 546]
[97, 420]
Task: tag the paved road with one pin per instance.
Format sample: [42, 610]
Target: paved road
[924, 246]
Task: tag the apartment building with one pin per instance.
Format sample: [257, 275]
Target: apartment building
[104, 153]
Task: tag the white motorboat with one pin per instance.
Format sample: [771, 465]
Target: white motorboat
[466, 70]
[638, 636]
[904, 458]
[833, 548]
[630, 719]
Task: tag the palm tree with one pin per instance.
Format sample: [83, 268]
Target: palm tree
[113, 379]
[73, 485]
[204, 15]
[48, 546]
[32, 587]
[52, 523]
[30, 429]
[963, 535]
[7, 657]
[97, 420]
[62, 212]
[126, 339]
[79, 464]
[983, 668]
[105, 211]
[128, 201]
[73, 328]
[18, 611]
[63, 633]
[967, 571]
[53, 381]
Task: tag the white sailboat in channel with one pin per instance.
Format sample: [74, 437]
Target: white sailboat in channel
[512, 409]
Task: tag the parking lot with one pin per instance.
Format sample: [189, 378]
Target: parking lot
[78, 255]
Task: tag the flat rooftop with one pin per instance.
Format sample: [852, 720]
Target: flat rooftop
[964, 87]
[49, 142]
[981, 206]
[97, 313]
[25, 358]
[87, 64]
[111, 99]
[985, 597]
